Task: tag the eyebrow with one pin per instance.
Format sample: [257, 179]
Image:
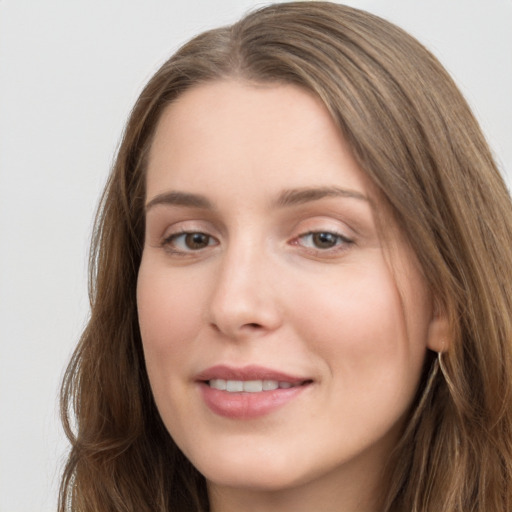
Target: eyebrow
[287, 198]
[299, 196]
[180, 199]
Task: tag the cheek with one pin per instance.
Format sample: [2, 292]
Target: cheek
[169, 312]
[357, 307]
[359, 323]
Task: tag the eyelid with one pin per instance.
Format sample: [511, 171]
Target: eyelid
[185, 225]
[341, 242]
[323, 223]
[169, 244]
[170, 241]
[309, 226]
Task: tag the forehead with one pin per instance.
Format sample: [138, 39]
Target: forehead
[242, 145]
[275, 135]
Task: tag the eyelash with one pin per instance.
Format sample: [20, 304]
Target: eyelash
[340, 242]
[168, 243]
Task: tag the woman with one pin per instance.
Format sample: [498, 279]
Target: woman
[300, 287]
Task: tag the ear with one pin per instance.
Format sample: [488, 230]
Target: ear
[438, 337]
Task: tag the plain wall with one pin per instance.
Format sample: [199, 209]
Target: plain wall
[69, 74]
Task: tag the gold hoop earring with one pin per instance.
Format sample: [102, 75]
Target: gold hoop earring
[444, 372]
[440, 362]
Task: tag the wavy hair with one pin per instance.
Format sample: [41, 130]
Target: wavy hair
[414, 135]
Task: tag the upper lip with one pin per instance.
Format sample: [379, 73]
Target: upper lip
[250, 372]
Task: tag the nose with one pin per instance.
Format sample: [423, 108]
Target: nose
[244, 302]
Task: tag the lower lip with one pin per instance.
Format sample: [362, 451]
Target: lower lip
[248, 405]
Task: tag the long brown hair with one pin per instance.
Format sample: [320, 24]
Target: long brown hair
[414, 135]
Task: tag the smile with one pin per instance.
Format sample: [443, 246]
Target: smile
[248, 392]
[249, 386]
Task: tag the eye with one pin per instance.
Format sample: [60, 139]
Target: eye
[322, 240]
[188, 241]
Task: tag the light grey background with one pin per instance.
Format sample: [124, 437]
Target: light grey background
[69, 74]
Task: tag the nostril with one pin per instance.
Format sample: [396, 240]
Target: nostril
[215, 327]
[247, 327]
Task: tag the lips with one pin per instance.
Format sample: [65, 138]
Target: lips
[248, 392]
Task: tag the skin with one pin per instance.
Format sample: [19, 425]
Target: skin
[354, 317]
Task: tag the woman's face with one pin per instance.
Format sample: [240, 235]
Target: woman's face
[284, 344]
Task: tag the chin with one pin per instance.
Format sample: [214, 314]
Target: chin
[264, 473]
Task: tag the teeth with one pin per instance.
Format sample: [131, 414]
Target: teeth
[248, 386]
[253, 386]
[234, 386]
[269, 385]
[218, 384]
